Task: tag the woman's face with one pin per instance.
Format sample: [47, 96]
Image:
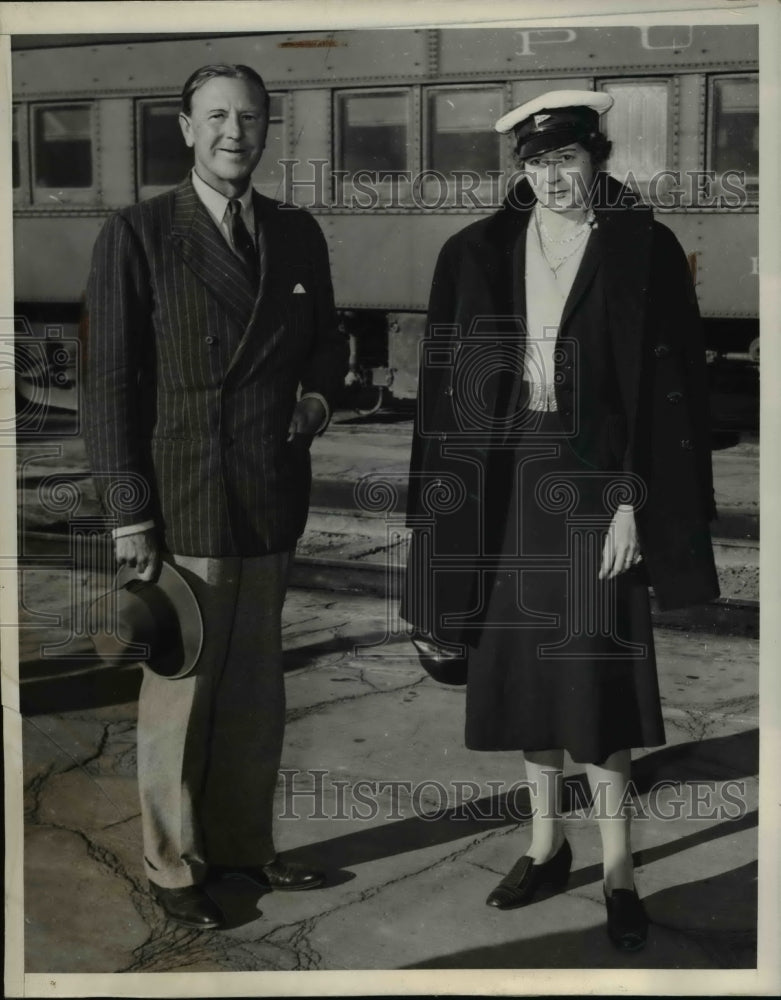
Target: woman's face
[561, 178]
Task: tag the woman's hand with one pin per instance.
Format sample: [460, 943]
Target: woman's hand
[621, 550]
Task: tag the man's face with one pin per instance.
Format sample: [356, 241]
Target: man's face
[227, 131]
[561, 178]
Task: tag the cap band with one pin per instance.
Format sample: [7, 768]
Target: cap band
[553, 139]
[551, 129]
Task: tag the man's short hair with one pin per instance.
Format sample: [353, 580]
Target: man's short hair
[235, 70]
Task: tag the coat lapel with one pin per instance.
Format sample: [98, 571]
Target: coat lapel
[499, 260]
[627, 237]
[206, 253]
[584, 275]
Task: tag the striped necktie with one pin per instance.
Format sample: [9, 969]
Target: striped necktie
[243, 243]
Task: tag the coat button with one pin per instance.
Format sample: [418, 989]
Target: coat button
[661, 350]
[674, 397]
[210, 340]
[687, 445]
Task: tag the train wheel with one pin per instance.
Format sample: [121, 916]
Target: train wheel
[753, 350]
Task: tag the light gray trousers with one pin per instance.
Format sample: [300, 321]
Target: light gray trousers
[209, 744]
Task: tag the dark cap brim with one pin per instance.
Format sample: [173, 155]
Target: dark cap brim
[545, 142]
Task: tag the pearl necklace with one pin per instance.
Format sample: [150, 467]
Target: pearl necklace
[556, 260]
[588, 221]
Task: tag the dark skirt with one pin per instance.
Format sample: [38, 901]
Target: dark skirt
[563, 660]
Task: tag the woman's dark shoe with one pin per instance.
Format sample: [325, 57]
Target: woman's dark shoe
[627, 921]
[189, 906]
[521, 883]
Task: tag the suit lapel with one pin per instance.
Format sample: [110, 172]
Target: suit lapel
[269, 248]
[206, 253]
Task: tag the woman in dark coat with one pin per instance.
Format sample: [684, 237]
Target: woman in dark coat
[560, 464]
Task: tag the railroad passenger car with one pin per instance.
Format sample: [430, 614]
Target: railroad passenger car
[386, 136]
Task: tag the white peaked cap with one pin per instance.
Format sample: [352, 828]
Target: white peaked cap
[554, 100]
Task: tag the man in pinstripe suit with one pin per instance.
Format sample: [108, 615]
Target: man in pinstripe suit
[213, 354]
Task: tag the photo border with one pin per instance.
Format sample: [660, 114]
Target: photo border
[282, 15]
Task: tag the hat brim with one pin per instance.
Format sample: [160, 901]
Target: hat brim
[182, 658]
[548, 141]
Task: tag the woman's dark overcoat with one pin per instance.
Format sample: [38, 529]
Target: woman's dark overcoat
[640, 407]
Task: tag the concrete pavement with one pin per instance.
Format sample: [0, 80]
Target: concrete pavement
[409, 864]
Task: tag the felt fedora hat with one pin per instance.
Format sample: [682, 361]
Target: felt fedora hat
[157, 622]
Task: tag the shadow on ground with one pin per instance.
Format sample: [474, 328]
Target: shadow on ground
[718, 914]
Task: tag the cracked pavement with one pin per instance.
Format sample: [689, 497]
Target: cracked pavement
[408, 870]
[409, 864]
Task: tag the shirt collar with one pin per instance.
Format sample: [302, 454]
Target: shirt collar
[216, 202]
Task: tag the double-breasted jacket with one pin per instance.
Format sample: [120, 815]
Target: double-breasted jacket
[192, 375]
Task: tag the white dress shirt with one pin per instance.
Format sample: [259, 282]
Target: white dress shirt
[546, 293]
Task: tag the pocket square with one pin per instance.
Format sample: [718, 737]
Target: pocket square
[299, 289]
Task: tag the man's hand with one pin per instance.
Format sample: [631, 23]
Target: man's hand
[140, 550]
[307, 419]
[621, 550]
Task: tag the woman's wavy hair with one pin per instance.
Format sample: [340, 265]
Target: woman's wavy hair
[596, 144]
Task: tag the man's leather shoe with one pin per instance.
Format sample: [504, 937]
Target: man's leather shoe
[277, 874]
[520, 884]
[189, 906]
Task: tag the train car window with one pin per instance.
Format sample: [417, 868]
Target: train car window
[373, 130]
[638, 125]
[734, 133]
[63, 146]
[460, 130]
[164, 159]
[16, 170]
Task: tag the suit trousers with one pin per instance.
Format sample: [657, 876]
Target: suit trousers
[209, 744]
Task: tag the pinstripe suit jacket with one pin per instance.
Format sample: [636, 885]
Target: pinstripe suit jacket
[192, 377]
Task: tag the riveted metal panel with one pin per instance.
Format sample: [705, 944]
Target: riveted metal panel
[283, 60]
[308, 182]
[57, 270]
[690, 121]
[116, 152]
[675, 120]
[386, 262]
[727, 282]
[578, 50]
